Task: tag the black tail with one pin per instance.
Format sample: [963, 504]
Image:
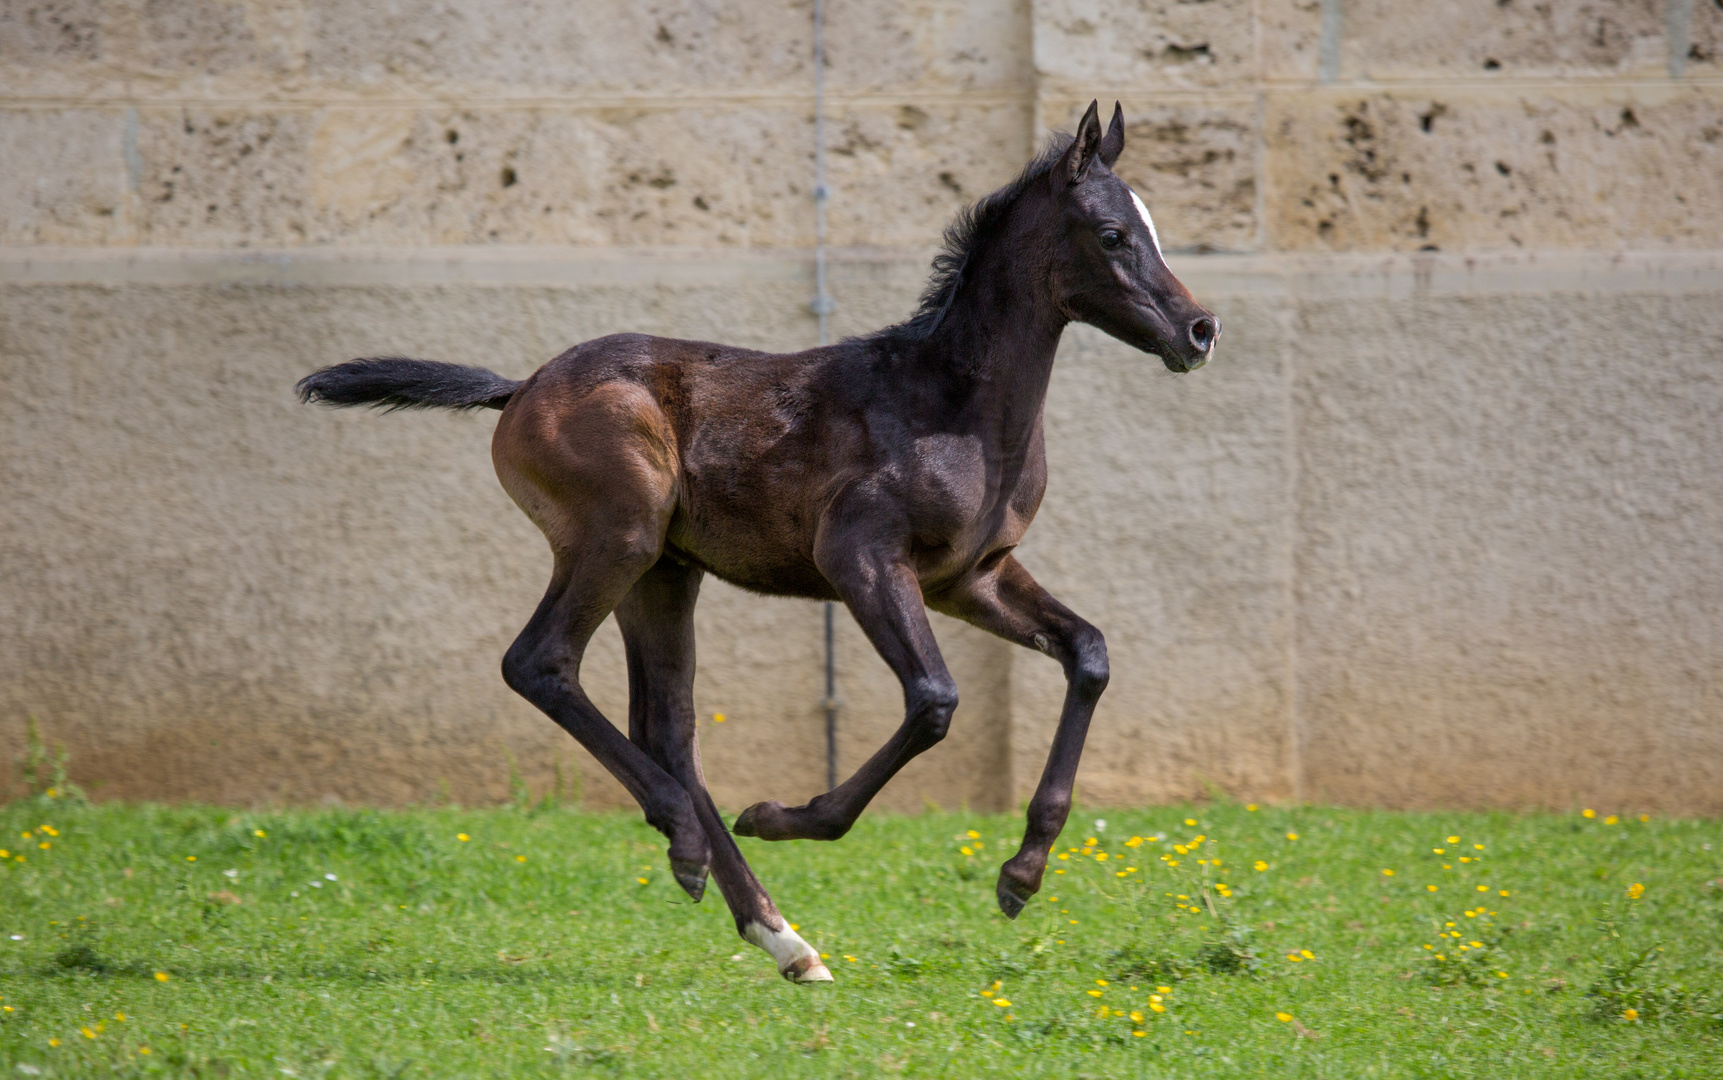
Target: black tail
[396, 382]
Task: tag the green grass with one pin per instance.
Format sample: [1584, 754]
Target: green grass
[426, 955]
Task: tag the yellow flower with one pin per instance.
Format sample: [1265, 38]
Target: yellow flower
[88, 1034]
[973, 835]
[1101, 856]
[1503, 892]
[1164, 989]
[1631, 1014]
[643, 881]
[717, 718]
[966, 851]
[1645, 817]
[161, 976]
[850, 958]
[1091, 842]
[1136, 1017]
[50, 830]
[1387, 873]
[1483, 888]
[1001, 1002]
[1476, 944]
[1180, 848]
[1093, 993]
[1190, 821]
[1635, 891]
[1251, 807]
[1432, 888]
[520, 858]
[1285, 1018]
[462, 837]
[1503, 974]
[1478, 847]
[260, 834]
[1438, 850]
[1260, 865]
[986, 993]
[1134, 841]
[188, 858]
[1100, 982]
[1155, 1006]
[1294, 957]
[1453, 839]
[1307, 954]
[53, 1042]
[143, 1049]
[1292, 836]
[1588, 813]
[1063, 856]
[1611, 820]
[4, 854]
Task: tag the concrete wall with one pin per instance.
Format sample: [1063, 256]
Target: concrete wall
[1438, 527]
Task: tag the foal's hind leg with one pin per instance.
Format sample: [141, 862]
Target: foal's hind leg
[543, 666]
[657, 621]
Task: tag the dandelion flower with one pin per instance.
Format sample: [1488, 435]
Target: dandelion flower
[1432, 888]
[1502, 974]
[718, 718]
[1387, 873]
[143, 1049]
[1453, 839]
[1260, 865]
[1307, 954]
[1645, 817]
[1294, 957]
[161, 976]
[1483, 888]
[1635, 891]
[973, 835]
[1503, 892]
[1478, 847]
[520, 858]
[1001, 1002]
[1155, 1006]
[1611, 820]
[966, 850]
[88, 1034]
[643, 881]
[1285, 1018]
[260, 834]
[1100, 982]
[1093, 993]
[1631, 1014]
[1251, 807]
[1292, 836]
[188, 858]
[462, 837]
[1136, 1017]
[53, 1042]
[1588, 813]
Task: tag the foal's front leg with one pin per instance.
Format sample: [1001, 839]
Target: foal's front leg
[1006, 601]
[881, 590]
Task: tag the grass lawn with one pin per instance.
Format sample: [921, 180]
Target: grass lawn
[200, 941]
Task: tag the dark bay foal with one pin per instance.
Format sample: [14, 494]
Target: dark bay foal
[894, 472]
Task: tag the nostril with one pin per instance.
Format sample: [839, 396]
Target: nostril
[1203, 333]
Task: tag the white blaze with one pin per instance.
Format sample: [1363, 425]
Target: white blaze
[1143, 212]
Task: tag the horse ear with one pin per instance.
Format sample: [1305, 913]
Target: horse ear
[1075, 165]
[1113, 143]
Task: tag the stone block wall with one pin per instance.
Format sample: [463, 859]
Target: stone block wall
[1436, 528]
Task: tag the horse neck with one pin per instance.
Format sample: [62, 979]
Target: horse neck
[995, 344]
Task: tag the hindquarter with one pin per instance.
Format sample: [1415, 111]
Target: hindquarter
[593, 462]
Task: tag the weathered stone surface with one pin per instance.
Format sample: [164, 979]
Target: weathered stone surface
[1704, 54]
[1194, 165]
[63, 181]
[1290, 36]
[218, 177]
[213, 37]
[50, 31]
[658, 47]
[1475, 172]
[1485, 37]
[1507, 587]
[1085, 46]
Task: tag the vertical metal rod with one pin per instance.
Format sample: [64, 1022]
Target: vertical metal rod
[822, 307]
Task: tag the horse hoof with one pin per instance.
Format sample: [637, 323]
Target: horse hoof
[691, 876]
[1010, 902]
[748, 821]
[806, 969]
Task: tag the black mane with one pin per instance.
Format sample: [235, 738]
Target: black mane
[963, 238]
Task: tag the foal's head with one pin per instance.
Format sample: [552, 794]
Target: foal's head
[1107, 268]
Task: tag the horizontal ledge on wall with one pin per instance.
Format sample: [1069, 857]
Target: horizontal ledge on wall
[1294, 276]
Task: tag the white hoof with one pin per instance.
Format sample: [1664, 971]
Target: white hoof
[796, 959]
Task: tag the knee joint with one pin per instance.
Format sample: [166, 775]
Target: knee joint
[931, 708]
[1089, 672]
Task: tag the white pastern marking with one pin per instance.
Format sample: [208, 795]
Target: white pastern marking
[1143, 212]
[787, 947]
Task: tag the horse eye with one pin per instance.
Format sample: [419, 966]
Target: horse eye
[1111, 238]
